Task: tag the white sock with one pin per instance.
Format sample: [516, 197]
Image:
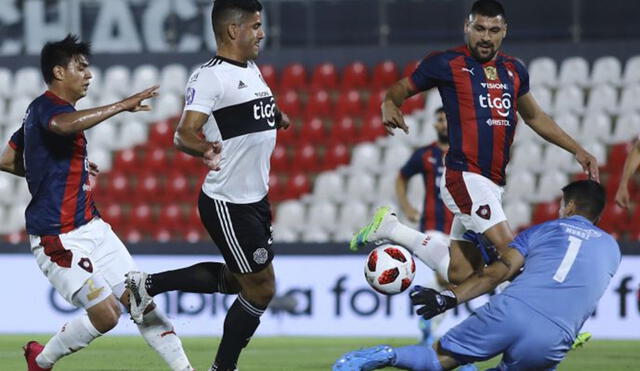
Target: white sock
[73, 336]
[432, 248]
[158, 332]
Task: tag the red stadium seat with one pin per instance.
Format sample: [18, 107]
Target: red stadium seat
[319, 104]
[413, 104]
[372, 129]
[161, 234]
[276, 188]
[313, 131]
[161, 134]
[343, 130]
[544, 212]
[289, 103]
[334, 156]
[142, 217]
[385, 74]
[617, 155]
[297, 185]
[148, 187]
[289, 136]
[294, 76]
[177, 187]
[187, 164]
[409, 68]
[306, 159]
[349, 104]
[119, 187]
[114, 215]
[157, 159]
[131, 234]
[375, 102]
[193, 234]
[126, 161]
[325, 76]
[280, 161]
[171, 217]
[614, 220]
[355, 76]
[270, 76]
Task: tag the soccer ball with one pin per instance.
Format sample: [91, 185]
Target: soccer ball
[389, 269]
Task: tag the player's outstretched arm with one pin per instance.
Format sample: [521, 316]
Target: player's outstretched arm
[73, 122]
[544, 125]
[391, 114]
[11, 161]
[187, 139]
[630, 166]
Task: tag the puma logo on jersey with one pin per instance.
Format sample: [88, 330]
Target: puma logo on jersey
[470, 70]
[242, 85]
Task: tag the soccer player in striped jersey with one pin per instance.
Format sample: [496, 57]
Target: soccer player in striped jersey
[75, 249]
[482, 91]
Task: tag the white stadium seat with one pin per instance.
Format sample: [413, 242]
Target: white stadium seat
[527, 156]
[322, 215]
[520, 185]
[569, 99]
[556, 158]
[101, 157]
[543, 96]
[95, 87]
[550, 186]
[328, 186]
[86, 103]
[627, 127]
[602, 98]
[597, 149]
[315, 235]
[283, 234]
[103, 135]
[6, 83]
[366, 156]
[353, 215]
[629, 99]
[606, 70]
[117, 81]
[543, 71]
[569, 122]
[386, 189]
[173, 79]
[16, 110]
[290, 215]
[524, 133]
[360, 186]
[596, 127]
[415, 190]
[145, 76]
[131, 133]
[166, 105]
[394, 157]
[574, 71]
[518, 214]
[433, 102]
[14, 220]
[28, 82]
[7, 186]
[632, 71]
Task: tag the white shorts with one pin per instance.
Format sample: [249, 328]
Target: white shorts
[68, 260]
[475, 201]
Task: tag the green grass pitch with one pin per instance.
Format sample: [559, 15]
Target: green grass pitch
[283, 353]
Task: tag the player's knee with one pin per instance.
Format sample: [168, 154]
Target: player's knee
[105, 316]
[260, 292]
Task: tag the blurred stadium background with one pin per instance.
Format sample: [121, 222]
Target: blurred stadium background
[328, 62]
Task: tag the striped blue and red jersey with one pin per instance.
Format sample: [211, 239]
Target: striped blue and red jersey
[428, 161]
[56, 169]
[480, 101]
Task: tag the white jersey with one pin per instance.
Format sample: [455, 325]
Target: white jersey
[241, 113]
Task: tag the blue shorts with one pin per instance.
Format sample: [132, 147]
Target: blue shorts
[527, 340]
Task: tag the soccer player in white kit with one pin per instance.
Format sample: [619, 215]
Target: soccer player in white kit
[229, 102]
[75, 249]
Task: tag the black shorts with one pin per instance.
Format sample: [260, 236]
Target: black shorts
[242, 232]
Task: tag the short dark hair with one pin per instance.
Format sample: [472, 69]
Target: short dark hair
[60, 53]
[224, 9]
[439, 110]
[588, 196]
[488, 8]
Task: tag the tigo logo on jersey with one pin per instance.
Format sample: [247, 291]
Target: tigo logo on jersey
[502, 104]
[266, 111]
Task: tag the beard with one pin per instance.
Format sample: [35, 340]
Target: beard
[443, 138]
[475, 52]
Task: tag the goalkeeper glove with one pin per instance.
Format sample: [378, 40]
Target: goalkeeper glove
[432, 301]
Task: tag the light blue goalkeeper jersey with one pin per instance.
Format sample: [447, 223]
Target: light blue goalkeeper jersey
[568, 265]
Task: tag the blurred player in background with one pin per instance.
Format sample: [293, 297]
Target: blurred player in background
[228, 100]
[482, 91]
[75, 249]
[560, 270]
[630, 166]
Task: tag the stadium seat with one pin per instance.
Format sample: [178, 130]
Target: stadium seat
[167, 105]
[543, 96]
[569, 99]
[117, 81]
[297, 185]
[626, 127]
[315, 235]
[353, 215]
[371, 129]
[306, 159]
[343, 130]
[520, 185]
[366, 157]
[280, 161]
[285, 235]
[556, 158]
[385, 74]
[157, 159]
[416, 191]
[161, 134]
[355, 76]
[550, 185]
[325, 76]
[131, 234]
[148, 187]
[126, 161]
[375, 102]
[103, 135]
[7, 186]
[270, 76]
[14, 220]
[96, 83]
[394, 157]
[632, 71]
[413, 104]
[328, 186]
[433, 102]
[322, 215]
[596, 126]
[335, 155]
[173, 79]
[574, 71]
[360, 186]
[177, 187]
[289, 215]
[86, 103]
[114, 215]
[629, 99]
[518, 214]
[288, 137]
[597, 149]
[118, 187]
[606, 70]
[142, 217]
[569, 122]
[144, 77]
[410, 67]
[289, 103]
[527, 156]
[28, 82]
[6, 83]
[602, 98]
[617, 156]
[16, 110]
[614, 220]
[188, 164]
[101, 157]
[543, 72]
[276, 187]
[545, 211]
[294, 76]
[130, 134]
[171, 217]
[349, 103]
[313, 131]
[319, 104]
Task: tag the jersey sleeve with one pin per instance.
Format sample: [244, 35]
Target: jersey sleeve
[523, 73]
[523, 239]
[49, 111]
[426, 74]
[413, 166]
[203, 91]
[17, 139]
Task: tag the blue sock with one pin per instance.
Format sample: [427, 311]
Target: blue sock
[425, 328]
[417, 358]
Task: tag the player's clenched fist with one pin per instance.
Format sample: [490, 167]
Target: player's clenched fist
[213, 156]
[432, 301]
[392, 118]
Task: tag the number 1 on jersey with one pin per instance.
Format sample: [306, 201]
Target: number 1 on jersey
[568, 260]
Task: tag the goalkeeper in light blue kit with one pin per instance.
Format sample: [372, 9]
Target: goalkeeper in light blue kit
[560, 269]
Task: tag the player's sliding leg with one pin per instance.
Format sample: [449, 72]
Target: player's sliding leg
[207, 277]
[432, 247]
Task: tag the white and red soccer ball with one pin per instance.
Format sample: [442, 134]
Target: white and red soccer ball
[390, 269]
